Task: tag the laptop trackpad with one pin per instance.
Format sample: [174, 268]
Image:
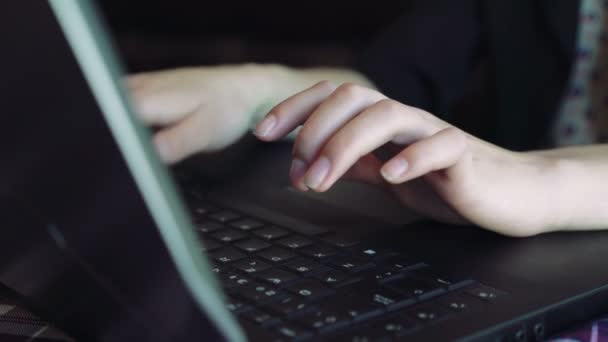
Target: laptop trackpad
[362, 199]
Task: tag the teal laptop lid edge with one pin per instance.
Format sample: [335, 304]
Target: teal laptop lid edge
[93, 50]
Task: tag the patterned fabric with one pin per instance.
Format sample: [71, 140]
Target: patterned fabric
[599, 94]
[582, 118]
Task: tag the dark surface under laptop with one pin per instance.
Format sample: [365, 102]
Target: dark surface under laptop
[79, 245]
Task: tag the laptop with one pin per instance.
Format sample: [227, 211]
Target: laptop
[110, 245]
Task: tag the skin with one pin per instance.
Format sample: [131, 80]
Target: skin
[346, 128]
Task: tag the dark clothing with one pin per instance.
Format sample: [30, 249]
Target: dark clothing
[495, 68]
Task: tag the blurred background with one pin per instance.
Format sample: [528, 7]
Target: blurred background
[163, 34]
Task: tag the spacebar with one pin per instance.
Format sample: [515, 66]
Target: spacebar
[272, 216]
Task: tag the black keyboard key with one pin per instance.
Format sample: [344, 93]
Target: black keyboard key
[355, 307]
[484, 292]
[210, 245]
[310, 288]
[391, 300]
[261, 318]
[371, 253]
[276, 255]
[458, 302]
[383, 275]
[421, 289]
[340, 241]
[217, 269]
[393, 327]
[232, 280]
[276, 277]
[324, 321]
[208, 226]
[229, 235]
[449, 281]
[384, 297]
[303, 266]
[202, 209]
[226, 254]
[290, 306]
[247, 224]
[237, 306]
[191, 192]
[252, 245]
[225, 216]
[350, 264]
[401, 264]
[294, 242]
[335, 278]
[319, 252]
[293, 332]
[271, 233]
[258, 293]
[251, 265]
[427, 313]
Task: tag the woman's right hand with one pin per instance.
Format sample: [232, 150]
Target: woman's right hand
[203, 108]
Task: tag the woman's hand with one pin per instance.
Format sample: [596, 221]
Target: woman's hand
[434, 168]
[199, 109]
[205, 109]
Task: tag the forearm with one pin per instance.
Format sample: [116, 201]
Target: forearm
[578, 187]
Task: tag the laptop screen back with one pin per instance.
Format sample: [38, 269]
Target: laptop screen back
[93, 232]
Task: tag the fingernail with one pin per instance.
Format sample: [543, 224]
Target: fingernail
[317, 173]
[394, 169]
[265, 126]
[298, 168]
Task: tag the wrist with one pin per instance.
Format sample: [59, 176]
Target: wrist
[555, 177]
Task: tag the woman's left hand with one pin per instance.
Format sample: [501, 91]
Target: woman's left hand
[434, 168]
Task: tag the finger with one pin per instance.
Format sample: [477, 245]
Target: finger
[289, 114]
[383, 122]
[340, 107]
[182, 139]
[365, 170]
[157, 105]
[135, 81]
[440, 151]
[334, 112]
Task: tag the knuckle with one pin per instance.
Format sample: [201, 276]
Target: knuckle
[389, 106]
[336, 146]
[458, 138]
[325, 84]
[350, 90]
[390, 111]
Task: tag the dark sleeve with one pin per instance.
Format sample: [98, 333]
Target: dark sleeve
[426, 57]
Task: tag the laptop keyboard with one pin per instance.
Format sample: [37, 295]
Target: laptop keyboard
[285, 285]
